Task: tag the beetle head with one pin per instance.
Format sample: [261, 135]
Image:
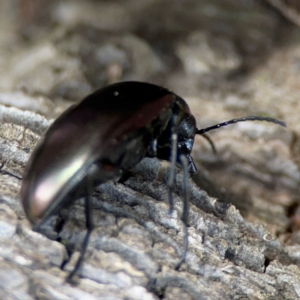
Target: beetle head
[185, 134]
[186, 137]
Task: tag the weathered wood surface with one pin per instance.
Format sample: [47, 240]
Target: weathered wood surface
[226, 59]
[136, 245]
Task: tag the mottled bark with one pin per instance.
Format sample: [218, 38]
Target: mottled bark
[227, 59]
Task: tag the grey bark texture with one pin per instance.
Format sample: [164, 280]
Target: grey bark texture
[227, 59]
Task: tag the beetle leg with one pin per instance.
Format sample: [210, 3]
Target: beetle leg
[152, 151]
[89, 226]
[174, 145]
[185, 210]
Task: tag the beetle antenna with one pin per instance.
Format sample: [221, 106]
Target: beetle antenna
[210, 141]
[89, 226]
[243, 119]
[185, 210]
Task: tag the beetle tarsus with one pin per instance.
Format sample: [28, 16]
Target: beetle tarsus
[185, 247]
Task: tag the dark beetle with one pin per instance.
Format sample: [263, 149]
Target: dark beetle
[107, 133]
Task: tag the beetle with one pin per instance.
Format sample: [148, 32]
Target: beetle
[105, 134]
